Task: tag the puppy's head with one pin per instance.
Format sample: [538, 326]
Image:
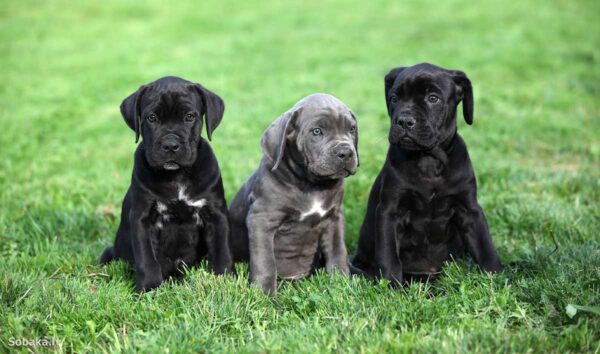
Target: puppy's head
[168, 113]
[320, 133]
[422, 102]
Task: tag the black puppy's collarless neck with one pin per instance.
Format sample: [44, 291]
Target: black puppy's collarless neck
[398, 156]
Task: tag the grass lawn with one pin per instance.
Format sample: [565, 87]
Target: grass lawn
[66, 159]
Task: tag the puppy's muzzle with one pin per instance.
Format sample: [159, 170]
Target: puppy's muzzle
[344, 152]
[346, 158]
[170, 144]
[406, 122]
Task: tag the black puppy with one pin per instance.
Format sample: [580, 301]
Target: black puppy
[174, 213]
[423, 206]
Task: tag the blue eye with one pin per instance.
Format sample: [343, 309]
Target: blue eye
[317, 131]
[433, 99]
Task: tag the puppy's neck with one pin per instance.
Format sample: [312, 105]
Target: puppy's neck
[294, 167]
[430, 163]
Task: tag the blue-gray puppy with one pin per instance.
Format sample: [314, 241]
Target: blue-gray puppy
[287, 219]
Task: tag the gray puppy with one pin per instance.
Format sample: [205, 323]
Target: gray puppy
[287, 219]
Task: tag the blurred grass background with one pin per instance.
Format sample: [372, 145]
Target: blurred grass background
[66, 159]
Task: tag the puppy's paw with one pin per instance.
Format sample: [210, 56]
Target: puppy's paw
[143, 285]
[222, 269]
[341, 268]
[494, 268]
[268, 284]
[269, 289]
[393, 274]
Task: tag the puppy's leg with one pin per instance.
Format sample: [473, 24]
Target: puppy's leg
[148, 270]
[333, 246]
[386, 247]
[263, 269]
[475, 232]
[219, 244]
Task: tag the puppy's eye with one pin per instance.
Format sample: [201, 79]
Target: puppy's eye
[152, 118]
[317, 131]
[433, 99]
[189, 117]
[352, 130]
[393, 99]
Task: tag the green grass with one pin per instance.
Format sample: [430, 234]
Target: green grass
[66, 159]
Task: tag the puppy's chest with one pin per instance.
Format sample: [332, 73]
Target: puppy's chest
[418, 207]
[430, 169]
[312, 210]
[180, 211]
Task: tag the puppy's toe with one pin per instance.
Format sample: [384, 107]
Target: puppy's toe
[341, 268]
[147, 285]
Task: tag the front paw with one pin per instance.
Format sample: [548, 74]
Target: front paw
[268, 284]
[223, 268]
[393, 274]
[339, 267]
[494, 267]
[143, 285]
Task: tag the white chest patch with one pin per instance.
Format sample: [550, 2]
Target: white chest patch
[316, 208]
[185, 198]
[163, 209]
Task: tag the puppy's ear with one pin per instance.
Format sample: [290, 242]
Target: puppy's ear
[389, 82]
[356, 139]
[274, 139]
[131, 112]
[464, 91]
[213, 108]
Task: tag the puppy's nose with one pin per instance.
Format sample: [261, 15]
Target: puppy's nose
[406, 122]
[170, 145]
[344, 153]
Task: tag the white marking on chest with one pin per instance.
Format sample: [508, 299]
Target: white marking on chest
[185, 198]
[316, 208]
[163, 209]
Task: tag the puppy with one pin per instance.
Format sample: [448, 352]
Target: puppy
[174, 213]
[287, 219]
[423, 207]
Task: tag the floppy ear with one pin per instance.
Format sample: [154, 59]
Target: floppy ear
[214, 108]
[274, 138]
[465, 93]
[389, 82]
[130, 110]
[356, 139]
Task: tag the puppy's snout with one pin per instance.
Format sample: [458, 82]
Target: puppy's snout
[406, 122]
[170, 144]
[344, 152]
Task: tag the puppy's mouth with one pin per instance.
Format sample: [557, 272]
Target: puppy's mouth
[407, 139]
[171, 166]
[408, 142]
[343, 173]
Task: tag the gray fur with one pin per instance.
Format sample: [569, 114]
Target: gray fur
[287, 219]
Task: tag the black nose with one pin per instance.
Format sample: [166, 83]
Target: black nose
[344, 153]
[406, 122]
[170, 145]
